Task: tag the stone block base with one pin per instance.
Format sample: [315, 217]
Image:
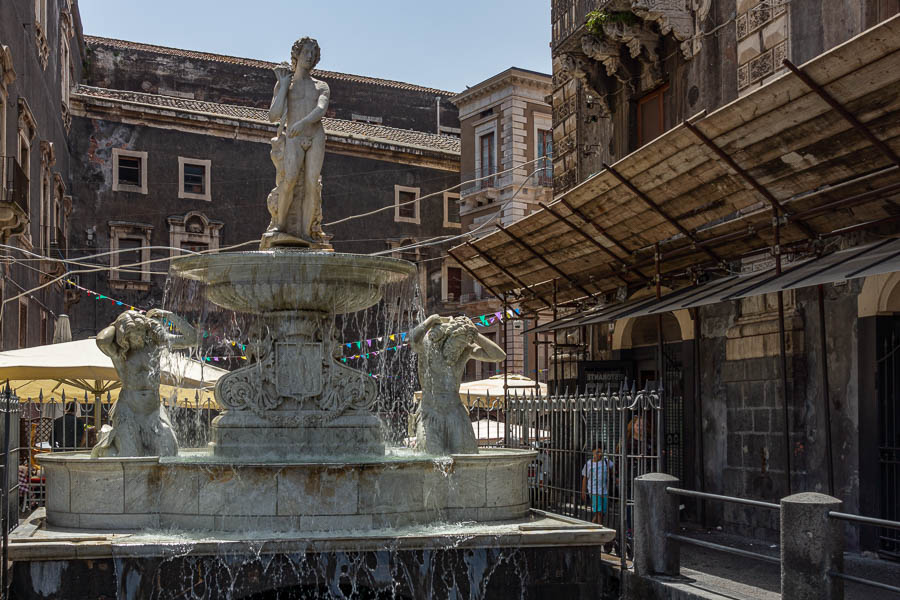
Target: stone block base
[245, 436]
[196, 491]
[540, 557]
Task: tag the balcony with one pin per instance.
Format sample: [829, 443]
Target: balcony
[59, 242]
[477, 181]
[13, 197]
[567, 17]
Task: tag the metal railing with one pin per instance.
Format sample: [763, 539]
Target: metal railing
[15, 183]
[60, 423]
[611, 435]
[812, 550]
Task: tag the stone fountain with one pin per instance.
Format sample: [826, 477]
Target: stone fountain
[297, 457]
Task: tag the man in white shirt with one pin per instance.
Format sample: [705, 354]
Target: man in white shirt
[595, 476]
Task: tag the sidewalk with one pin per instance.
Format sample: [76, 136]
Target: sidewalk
[767, 576]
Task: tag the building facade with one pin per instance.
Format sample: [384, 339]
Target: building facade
[625, 72]
[506, 172]
[177, 156]
[41, 46]
[698, 146]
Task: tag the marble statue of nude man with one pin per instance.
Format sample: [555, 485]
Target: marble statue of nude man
[444, 346]
[139, 425]
[298, 150]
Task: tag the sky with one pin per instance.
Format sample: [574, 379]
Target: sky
[444, 45]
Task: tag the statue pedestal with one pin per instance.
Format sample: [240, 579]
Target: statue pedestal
[296, 401]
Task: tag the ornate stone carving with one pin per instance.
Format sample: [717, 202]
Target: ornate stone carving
[444, 346]
[323, 388]
[139, 424]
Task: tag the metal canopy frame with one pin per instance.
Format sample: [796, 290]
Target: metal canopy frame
[532, 253]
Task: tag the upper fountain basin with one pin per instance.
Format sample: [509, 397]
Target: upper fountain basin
[283, 279]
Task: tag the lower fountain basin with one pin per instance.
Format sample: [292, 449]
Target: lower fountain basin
[194, 491]
[293, 280]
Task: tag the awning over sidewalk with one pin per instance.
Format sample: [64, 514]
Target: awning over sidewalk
[818, 146]
[842, 265]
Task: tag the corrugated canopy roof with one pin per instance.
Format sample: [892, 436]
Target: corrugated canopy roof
[684, 192]
[843, 265]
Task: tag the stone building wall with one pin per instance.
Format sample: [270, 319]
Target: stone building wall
[241, 176]
[743, 403]
[32, 100]
[139, 67]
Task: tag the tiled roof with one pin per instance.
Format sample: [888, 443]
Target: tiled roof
[260, 64]
[339, 127]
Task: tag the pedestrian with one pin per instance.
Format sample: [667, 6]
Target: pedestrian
[595, 476]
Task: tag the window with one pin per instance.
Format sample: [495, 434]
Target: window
[44, 329]
[193, 232]
[372, 120]
[489, 369]
[130, 246]
[130, 254]
[487, 159]
[40, 13]
[194, 246]
[452, 288]
[406, 204]
[545, 151]
[40, 31]
[650, 116]
[129, 171]
[24, 157]
[45, 234]
[23, 322]
[451, 210]
[194, 175]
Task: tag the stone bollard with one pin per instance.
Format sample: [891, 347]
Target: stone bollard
[812, 544]
[655, 515]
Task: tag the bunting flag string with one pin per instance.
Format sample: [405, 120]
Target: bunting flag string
[485, 320]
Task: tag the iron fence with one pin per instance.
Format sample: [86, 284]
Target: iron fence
[57, 423]
[607, 437]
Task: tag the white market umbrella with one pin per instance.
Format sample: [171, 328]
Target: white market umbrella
[80, 365]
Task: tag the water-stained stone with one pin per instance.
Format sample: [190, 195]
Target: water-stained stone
[97, 487]
[317, 491]
[237, 491]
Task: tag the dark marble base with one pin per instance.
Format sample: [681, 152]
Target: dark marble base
[474, 572]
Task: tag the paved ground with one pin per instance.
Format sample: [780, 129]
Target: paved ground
[766, 576]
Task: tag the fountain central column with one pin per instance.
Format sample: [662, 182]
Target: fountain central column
[296, 400]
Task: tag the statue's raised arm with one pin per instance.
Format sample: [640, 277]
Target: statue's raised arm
[184, 335]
